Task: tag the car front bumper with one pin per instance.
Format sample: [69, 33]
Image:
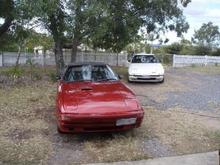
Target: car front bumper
[97, 123]
[146, 78]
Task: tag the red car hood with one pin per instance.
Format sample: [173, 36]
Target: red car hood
[97, 98]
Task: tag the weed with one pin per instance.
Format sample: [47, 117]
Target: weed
[53, 77]
[14, 72]
[193, 65]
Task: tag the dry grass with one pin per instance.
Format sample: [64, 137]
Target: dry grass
[23, 138]
[183, 132]
[120, 147]
[26, 112]
[186, 133]
[29, 151]
[212, 70]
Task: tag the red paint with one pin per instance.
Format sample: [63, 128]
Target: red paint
[95, 106]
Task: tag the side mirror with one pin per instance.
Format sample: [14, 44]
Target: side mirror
[120, 77]
[129, 60]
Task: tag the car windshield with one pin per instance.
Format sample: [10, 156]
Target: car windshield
[89, 73]
[144, 59]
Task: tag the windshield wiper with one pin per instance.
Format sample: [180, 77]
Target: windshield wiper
[78, 81]
[107, 79]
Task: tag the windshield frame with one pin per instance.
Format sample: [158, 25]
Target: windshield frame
[144, 62]
[113, 74]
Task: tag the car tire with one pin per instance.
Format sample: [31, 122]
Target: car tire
[129, 81]
[162, 81]
[59, 131]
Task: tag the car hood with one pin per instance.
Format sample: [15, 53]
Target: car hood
[146, 69]
[95, 97]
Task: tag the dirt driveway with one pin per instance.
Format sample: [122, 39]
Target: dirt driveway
[182, 115]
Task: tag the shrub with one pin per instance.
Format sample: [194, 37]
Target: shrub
[15, 72]
[53, 77]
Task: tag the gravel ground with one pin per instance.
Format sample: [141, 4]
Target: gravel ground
[198, 91]
[203, 96]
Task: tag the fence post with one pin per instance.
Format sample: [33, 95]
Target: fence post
[174, 56]
[44, 58]
[95, 57]
[117, 59]
[206, 60]
[0, 59]
[82, 57]
[3, 59]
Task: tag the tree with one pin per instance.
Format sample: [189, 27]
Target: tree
[174, 48]
[38, 39]
[83, 20]
[56, 25]
[52, 15]
[104, 24]
[202, 50]
[186, 47]
[20, 35]
[7, 13]
[124, 18]
[207, 36]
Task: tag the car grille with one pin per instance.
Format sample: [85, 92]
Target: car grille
[146, 78]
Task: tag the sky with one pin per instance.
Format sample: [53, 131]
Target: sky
[198, 12]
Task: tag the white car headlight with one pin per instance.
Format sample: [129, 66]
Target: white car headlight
[131, 71]
[160, 71]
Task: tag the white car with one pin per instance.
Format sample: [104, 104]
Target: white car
[145, 68]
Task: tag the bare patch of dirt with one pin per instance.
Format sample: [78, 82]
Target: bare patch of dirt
[19, 134]
[47, 114]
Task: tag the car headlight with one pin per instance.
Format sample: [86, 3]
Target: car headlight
[65, 117]
[160, 72]
[131, 71]
[132, 104]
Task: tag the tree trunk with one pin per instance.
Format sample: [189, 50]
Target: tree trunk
[44, 57]
[74, 51]
[117, 59]
[59, 57]
[18, 57]
[4, 28]
[9, 7]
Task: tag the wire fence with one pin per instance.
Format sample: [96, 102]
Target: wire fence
[9, 58]
[187, 60]
[48, 59]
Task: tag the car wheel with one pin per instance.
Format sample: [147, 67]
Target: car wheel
[59, 131]
[162, 81]
[129, 81]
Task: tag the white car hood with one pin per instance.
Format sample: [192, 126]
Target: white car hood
[146, 69]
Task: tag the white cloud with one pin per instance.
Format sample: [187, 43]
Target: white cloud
[198, 12]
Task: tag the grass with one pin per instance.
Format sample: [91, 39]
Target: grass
[185, 133]
[22, 127]
[118, 148]
[122, 71]
[210, 69]
[27, 126]
[25, 74]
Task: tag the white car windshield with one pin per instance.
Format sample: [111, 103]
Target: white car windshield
[145, 59]
[89, 73]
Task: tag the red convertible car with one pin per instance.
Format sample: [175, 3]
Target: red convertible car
[91, 98]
